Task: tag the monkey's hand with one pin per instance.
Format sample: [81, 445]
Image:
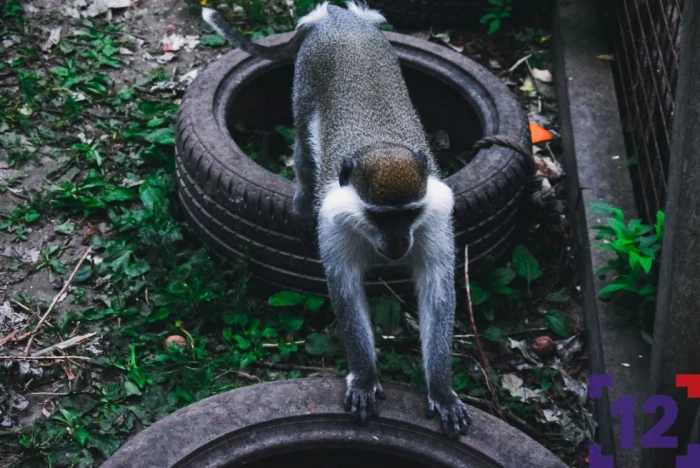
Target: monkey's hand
[453, 412]
[361, 399]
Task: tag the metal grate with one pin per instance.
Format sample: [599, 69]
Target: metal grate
[646, 40]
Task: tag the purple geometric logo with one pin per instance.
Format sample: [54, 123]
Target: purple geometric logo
[654, 437]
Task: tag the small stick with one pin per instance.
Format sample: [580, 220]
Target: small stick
[9, 337]
[484, 361]
[75, 341]
[29, 309]
[55, 300]
[397, 296]
[48, 394]
[275, 345]
[42, 358]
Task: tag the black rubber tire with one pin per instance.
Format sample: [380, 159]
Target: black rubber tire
[257, 422]
[243, 210]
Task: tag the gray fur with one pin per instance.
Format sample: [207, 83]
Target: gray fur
[349, 95]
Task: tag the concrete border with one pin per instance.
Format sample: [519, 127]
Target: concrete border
[596, 167]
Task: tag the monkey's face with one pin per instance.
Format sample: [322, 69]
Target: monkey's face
[392, 230]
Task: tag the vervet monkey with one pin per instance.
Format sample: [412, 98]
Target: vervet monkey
[365, 171]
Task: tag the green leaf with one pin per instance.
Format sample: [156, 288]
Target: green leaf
[285, 299]
[269, 333]
[558, 296]
[83, 274]
[66, 228]
[241, 342]
[478, 294]
[212, 40]
[236, 319]
[314, 303]
[646, 263]
[291, 323]
[130, 388]
[118, 194]
[57, 266]
[494, 26]
[152, 193]
[494, 334]
[160, 314]
[81, 435]
[228, 334]
[318, 343]
[558, 323]
[503, 276]
[386, 311]
[526, 264]
[63, 72]
[287, 348]
[162, 136]
[612, 288]
[30, 216]
[460, 382]
[659, 226]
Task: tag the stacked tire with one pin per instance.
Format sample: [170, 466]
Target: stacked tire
[243, 211]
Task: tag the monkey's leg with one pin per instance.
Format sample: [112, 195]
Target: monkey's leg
[434, 276]
[306, 153]
[344, 273]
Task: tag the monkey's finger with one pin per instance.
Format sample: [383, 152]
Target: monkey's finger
[348, 400]
[445, 422]
[380, 392]
[456, 422]
[373, 409]
[431, 410]
[363, 408]
[355, 406]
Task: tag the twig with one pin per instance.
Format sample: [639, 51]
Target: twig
[42, 358]
[484, 361]
[8, 338]
[397, 296]
[275, 345]
[75, 341]
[30, 310]
[48, 393]
[55, 300]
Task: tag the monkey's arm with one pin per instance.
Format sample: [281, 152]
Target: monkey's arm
[344, 273]
[434, 276]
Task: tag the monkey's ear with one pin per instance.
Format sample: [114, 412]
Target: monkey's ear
[422, 159]
[345, 171]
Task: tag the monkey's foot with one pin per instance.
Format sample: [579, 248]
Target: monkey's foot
[453, 414]
[361, 400]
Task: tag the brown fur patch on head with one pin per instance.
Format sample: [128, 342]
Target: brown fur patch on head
[390, 175]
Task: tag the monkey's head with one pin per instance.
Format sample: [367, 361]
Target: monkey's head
[391, 182]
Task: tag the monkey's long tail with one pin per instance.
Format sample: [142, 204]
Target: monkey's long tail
[284, 51]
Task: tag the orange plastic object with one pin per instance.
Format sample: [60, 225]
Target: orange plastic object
[539, 134]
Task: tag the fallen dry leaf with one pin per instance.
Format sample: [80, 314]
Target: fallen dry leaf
[528, 85]
[53, 39]
[607, 57]
[544, 76]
